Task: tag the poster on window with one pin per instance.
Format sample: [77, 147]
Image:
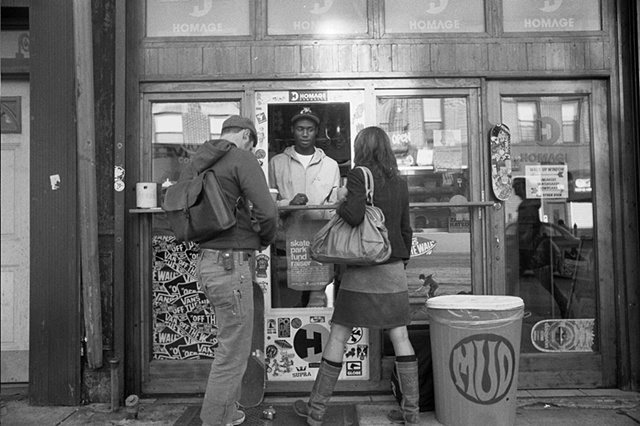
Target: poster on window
[447, 149]
[551, 15]
[304, 273]
[316, 17]
[183, 320]
[294, 344]
[547, 181]
[198, 18]
[418, 16]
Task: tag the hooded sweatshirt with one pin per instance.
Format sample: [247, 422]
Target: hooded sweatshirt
[319, 181]
[239, 175]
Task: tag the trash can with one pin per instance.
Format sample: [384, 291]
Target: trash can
[475, 343]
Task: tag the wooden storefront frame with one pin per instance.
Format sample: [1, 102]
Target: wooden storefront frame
[546, 56]
[162, 375]
[585, 370]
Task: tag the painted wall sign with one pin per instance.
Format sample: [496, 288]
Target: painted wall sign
[316, 17]
[442, 16]
[482, 367]
[551, 15]
[547, 181]
[197, 18]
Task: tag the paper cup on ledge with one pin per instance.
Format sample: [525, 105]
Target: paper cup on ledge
[146, 195]
[274, 193]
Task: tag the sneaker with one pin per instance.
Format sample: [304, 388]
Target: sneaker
[396, 417]
[238, 419]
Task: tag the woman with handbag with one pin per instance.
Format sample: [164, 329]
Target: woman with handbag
[372, 296]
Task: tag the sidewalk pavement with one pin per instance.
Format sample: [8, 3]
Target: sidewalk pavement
[566, 407]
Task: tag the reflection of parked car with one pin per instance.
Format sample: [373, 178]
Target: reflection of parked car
[563, 239]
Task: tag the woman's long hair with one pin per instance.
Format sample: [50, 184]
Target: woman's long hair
[373, 150]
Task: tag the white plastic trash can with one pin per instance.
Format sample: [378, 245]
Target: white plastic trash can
[475, 342]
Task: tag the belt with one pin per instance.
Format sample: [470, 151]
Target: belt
[239, 256]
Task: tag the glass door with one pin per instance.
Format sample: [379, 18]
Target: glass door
[435, 137]
[179, 342]
[300, 291]
[555, 229]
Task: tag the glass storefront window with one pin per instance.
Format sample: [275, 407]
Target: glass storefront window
[544, 15]
[183, 322]
[198, 18]
[426, 133]
[295, 17]
[14, 45]
[430, 138]
[179, 129]
[549, 220]
[296, 280]
[417, 16]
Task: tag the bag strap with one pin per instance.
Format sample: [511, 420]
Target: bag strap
[368, 184]
[240, 201]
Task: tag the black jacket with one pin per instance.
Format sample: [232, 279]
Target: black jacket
[392, 197]
[239, 174]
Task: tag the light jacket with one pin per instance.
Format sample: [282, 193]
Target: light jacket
[319, 181]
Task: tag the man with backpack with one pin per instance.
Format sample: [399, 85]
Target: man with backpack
[225, 263]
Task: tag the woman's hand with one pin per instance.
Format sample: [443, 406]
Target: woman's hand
[342, 194]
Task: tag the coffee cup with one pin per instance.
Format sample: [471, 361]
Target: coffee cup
[274, 193]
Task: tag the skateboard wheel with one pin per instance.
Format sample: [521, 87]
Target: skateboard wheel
[269, 413]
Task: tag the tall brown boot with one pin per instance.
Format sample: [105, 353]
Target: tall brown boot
[320, 394]
[409, 413]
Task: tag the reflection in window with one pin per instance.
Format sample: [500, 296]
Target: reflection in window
[180, 128]
[215, 125]
[427, 132]
[548, 121]
[550, 257]
[168, 128]
[294, 17]
[570, 117]
[527, 121]
[429, 136]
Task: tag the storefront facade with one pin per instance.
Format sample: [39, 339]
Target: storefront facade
[437, 79]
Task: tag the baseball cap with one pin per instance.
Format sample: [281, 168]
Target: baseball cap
[241, 122]
[305, 113]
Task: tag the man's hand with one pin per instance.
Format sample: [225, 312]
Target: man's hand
[299, 200]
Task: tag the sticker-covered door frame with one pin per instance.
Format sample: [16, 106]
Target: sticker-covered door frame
[294, 336]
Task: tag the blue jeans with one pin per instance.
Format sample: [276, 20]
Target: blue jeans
[231, 295]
